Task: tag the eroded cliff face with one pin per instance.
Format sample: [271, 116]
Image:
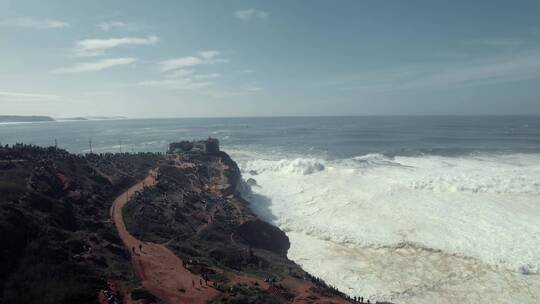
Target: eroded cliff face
[253, 232]
[197, 211]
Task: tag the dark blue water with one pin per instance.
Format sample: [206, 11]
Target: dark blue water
[331, 137]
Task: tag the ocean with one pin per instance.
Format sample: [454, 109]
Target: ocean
[411, 209]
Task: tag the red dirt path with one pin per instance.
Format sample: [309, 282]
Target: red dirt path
[160, 270]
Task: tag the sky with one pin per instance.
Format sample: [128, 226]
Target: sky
[269, 58]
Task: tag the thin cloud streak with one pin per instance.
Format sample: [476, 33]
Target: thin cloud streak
[5, 95]
[110, 25]
[97, 47]
[497, 42]
[207, 76]
[176, 84]
[495, 71]
[95, 66]
[30, 23]
[251, 14]
[227, 93]
[179, 63]
[204, 57]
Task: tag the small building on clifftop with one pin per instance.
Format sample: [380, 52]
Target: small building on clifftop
[209, 146]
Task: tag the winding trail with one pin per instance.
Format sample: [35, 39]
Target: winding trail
[160, 270]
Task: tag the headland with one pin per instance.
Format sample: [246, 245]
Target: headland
[141, 228]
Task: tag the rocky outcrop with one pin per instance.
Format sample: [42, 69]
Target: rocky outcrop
[259, 234]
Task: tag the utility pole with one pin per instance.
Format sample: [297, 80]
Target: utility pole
[55, 144]
[90, 144]
[120, 142]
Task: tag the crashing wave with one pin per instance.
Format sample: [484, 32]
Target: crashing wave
[453, 206]
[298, 166]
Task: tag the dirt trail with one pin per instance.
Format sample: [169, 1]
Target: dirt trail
[159, 269]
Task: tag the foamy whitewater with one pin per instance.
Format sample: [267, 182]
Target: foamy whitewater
[406, 209]
[427, 229]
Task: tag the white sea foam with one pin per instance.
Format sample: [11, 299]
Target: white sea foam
[411, 229]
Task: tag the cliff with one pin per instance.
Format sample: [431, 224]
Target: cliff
[181, 233]
[196, 211]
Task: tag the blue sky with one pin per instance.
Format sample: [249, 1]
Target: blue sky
[269, 58]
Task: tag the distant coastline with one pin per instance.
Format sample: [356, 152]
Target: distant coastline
[9, 119]
[84, 118]
[16, 118]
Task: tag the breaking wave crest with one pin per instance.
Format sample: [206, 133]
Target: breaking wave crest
[301, 166]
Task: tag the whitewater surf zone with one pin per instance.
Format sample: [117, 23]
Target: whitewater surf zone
[410, 229]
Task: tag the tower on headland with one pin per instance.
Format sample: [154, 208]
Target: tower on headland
[211, 145]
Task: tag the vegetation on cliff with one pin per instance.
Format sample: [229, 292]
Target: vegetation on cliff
[58, 243]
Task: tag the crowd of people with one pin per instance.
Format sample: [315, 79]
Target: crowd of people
[31, 152]
[110, 295]
[321, 283]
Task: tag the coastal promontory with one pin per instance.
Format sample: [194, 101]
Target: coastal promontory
[140, 228]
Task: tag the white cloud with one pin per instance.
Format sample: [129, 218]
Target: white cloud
[179, 73]
[13, 96]
[110, 25]
[95, 66]
[204, 57]
[251, 14]
[30, 23]
[177, 84]
[97, 47]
